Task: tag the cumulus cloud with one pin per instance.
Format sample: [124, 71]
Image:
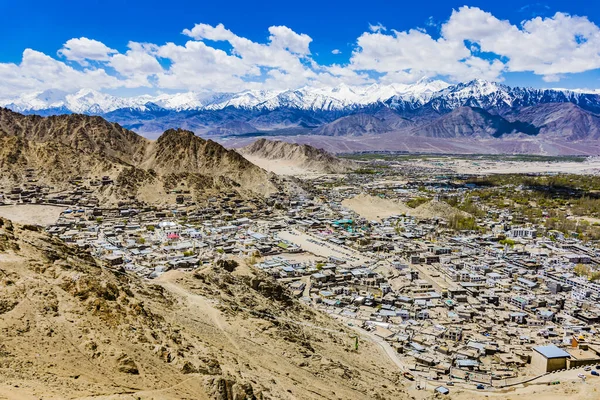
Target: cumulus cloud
[472, 43]
[137, 64]
[84, 49]
[409, 55]
[205, 31]
[545, 46]
[285, 38]
[38, 71]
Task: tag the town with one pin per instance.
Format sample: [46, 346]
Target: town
[460, 289]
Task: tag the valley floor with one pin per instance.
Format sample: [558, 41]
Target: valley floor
[414, 144]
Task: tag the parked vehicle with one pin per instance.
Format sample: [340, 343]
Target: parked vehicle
[595, 373]
[480, 387]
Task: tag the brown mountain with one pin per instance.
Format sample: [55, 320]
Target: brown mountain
[472, 122]
[560, 121]
[301, 156]
[83, 133]
[353, 125]
[73, 328]
[60, 148]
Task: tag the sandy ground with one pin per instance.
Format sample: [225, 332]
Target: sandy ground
[375, 208]
[32, 214]
[282, 167]
[326, 250]
[590, 166]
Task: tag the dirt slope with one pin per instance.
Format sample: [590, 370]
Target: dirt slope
[377, 208]
[291, 158]
[73, 329]
[64, 147]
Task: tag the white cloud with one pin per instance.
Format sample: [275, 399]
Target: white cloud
[197, 66]
[137, 64]
[377, 27]
[552, 78]
[283, 62]
[286, 39]
[83, 49]
[38, 71]
[471, 44]
[545, 46]
[410, 55]
[205, 31]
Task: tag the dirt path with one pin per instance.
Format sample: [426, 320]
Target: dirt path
[201, 305]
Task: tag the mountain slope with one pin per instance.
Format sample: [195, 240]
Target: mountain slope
[301, 156]
[179, 152]
[560, 120]
[73, 328]
[337, 111]
[472, 123]
[83, 133]
[63, 147]
[353, 125]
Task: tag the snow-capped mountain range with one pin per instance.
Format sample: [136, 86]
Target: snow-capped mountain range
[341, 97]
[442, 95]
[475, 109]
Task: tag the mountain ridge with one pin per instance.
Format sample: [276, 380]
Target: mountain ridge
[300, 156]
[344, 111]
[60, 148]
[341, 97]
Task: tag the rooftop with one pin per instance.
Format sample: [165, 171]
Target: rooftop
[552, 351]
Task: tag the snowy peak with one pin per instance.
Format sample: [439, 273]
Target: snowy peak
[440, 95]
[85, 101]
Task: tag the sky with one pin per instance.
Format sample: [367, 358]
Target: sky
[133, 47]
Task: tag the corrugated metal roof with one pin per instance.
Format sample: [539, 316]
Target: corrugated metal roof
[551, 351]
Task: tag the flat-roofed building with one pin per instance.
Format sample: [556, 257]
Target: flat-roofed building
[549, 358]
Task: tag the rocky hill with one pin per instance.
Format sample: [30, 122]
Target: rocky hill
[62, 148]
[300, 156]
[73, 328]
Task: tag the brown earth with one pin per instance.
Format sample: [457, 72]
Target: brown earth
[294, 159]
[72, 328]
[58, 149]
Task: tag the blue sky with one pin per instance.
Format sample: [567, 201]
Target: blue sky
[411, 33]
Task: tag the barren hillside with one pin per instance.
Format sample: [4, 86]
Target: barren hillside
[58, 149]
[278, 157]
[74, 329]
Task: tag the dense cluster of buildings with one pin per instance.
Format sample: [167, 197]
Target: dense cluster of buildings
[462, 304]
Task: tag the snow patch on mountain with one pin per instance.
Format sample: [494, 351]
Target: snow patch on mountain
[441, 96]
